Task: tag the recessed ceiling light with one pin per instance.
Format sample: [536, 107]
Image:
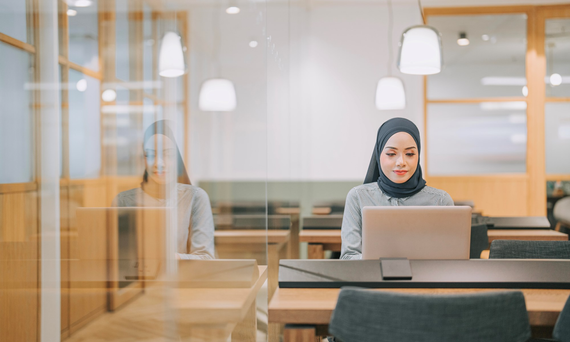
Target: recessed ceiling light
[109, 95]
[253, 44]
[485, 37]
[463, 41]
[71, 12]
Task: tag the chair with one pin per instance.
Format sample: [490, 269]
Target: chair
[562, 327]
[479, 240]
[366, 315]
[513, 249]
[561, 212]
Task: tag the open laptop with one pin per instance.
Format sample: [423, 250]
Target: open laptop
[426, 232]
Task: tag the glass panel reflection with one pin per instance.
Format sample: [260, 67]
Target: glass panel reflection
[16, 138]
[472, 139]
[84, 126]
[492, 65]
[557, 133]
[13, 20]
[84, 36]
[557, 50]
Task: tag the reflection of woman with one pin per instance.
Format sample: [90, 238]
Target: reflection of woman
[195, 223]
[394, 178]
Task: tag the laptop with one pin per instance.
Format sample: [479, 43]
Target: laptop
[425, 232]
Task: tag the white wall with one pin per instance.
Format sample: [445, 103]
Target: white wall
[320, 121]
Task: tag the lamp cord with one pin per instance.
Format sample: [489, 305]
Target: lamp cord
[216, 30]
[422, 12]
[390, 28]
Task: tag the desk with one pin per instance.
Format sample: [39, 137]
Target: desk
[251, 244]
[524, 222]
[321, 240]
[206, 314]
[314, 307]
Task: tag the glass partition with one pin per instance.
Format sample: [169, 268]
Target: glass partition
[113, 196]
[491, 65]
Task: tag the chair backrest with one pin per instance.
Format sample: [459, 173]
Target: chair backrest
[479, 240]
[561, 210]
[562, 327]
[513, 249]
[367, 315]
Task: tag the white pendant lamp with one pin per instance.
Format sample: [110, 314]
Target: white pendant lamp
[420, 50]
[390, 92]
[217, 95]
[171, 57]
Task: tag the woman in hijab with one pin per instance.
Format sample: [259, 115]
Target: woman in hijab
[195, 223]
[394, 178]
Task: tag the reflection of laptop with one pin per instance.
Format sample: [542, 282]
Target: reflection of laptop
[133, 239]
[416, 232]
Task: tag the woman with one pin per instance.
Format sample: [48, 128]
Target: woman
[195, 229]
[394, 178]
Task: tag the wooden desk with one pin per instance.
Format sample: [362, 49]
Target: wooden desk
[251, 244]
[330, 239]
[204, 314]
[313, 307]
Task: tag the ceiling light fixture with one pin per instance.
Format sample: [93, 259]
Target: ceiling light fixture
[109, 95]
[390, 92]
[555, 79]
[253, 44]
[80, 3]
[171, 57]
[462, 41]
[525, 91]
[81, 85]
[485, 37]
[232, 8]
[420, 50]
[71, 12]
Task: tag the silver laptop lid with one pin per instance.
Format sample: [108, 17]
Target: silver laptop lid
[425, 232]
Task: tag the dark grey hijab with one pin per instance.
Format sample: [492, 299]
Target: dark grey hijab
[413, 185]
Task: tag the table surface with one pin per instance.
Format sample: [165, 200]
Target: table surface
[214, 305]
[529, 222]
[248, 236]
[315, 306]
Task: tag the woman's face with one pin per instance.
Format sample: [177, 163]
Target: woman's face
[399, 159]
[159, 156]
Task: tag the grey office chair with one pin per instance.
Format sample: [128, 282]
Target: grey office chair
[365, 315]
[513, 249]
[479, 240]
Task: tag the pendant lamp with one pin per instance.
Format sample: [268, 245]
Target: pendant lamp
[217, 94]
[171, 57]
[420, 50]
[390, 92]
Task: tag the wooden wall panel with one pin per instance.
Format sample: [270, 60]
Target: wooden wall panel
[64, 250]
[500, 195]
[19, 305]
[87, 257]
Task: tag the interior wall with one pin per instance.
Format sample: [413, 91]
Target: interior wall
[336, 57]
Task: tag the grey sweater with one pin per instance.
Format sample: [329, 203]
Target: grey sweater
[370, 195]
[195, 222]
